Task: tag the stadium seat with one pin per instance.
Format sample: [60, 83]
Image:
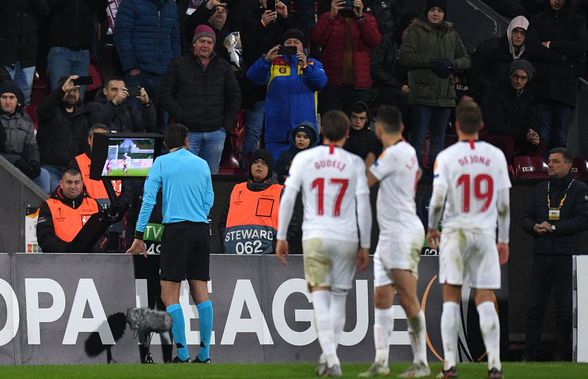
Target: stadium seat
[580, 168]
[529, 167]
[230, 161]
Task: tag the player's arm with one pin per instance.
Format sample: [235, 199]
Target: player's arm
[372, 180]
[287, 203]
[435, 213]
[503, 205]
[364, 217]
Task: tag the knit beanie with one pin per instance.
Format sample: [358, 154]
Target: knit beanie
[522, 64]
[10, 86]
[437, 3]
[204, 31]
[294, 33]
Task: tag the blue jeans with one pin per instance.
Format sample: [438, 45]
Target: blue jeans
[253, 127]
[63, 61]
[55, 172]
[208, 146]
[554, 120]
[43, 180]
[151, 84]
[23, 76]
[434, 120]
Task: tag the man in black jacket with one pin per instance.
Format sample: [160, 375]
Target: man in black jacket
[201, 91]
[557, 43]
[111, 107]
[63, 128]
[71, 24]
[556, 216]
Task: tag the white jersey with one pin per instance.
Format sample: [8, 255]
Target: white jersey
[330, 178]
[398, 171]
[471, 173]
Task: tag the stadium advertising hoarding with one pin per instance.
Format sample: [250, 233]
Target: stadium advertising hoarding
[64, 308]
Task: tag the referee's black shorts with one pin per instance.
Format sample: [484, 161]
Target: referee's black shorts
[185, 252]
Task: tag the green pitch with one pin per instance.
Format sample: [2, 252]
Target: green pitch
[130, 172]
[293, 370]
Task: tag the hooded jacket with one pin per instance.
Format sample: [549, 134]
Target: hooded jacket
[423, 44]
[285, 159]
[559, 65]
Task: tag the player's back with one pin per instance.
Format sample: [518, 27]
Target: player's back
[329, 179]
[473, 172]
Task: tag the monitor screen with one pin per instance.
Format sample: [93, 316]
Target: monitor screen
[119, 156]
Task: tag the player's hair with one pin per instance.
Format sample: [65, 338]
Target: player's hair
[469, 116]
[175, 135]
[98, 126]
[71, 171]
[390, 118]
[335, 125]
[567, 156]
[113, 79]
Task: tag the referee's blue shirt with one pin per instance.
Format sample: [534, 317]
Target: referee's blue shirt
[187, 189]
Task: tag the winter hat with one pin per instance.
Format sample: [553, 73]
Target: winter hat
[309, 129]
[266, 156]
[437, 3]
[204, 31]
[294, 33]
[10, 86]
[522, 64]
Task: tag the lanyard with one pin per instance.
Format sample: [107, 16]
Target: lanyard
[563, 199]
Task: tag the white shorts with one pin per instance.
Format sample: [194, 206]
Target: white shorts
[329, 263]
[469, 254]
[400, 252]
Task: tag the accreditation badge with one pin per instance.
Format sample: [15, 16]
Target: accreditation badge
[553, 214]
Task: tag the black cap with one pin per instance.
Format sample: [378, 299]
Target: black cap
[10, 86]
[294, 33]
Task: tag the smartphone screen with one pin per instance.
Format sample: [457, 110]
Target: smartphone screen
[83, 81]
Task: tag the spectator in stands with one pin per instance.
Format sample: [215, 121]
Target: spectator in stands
[293, 82]
[347, 37]
[147, 38]
[559, 43]
[71, 28]
[214, 13]
[556, 217]
[303, 137]
[19, 28]
[509, 113]
[389, 76]
[63, 128]
[432, 51]
[201, 91]
[362, 141]
[112, 108]
[63, 215]
[17, 136]
[492, 58]
[260, 31]
[249, 221]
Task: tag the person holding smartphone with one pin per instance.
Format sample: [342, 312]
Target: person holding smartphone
[293, 81]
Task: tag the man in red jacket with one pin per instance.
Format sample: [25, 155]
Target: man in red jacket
[347, 36]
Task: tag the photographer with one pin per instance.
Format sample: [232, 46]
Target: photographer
[111, 107]
[293, 81]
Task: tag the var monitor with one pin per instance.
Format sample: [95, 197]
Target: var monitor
[123, 155]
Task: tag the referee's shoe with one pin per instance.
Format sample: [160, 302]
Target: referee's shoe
[178, 360]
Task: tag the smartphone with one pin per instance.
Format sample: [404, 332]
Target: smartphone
[271, 5]
[287, 50]
[349, 4]
[83, 81]
[134, 91]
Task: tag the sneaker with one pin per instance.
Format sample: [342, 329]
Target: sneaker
[334, 370]
[198, 360]
[321, 368]
[178, 360]
[376, 369]
[451, 373]
[494, 373]
[417, 370]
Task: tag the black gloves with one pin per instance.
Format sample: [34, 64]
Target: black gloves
[442, 67]
[31, 169]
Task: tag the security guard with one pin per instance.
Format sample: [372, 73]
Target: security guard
[63, 215]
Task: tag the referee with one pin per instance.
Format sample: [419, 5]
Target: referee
[187, 198]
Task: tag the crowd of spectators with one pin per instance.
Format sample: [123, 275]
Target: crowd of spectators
[202, 62]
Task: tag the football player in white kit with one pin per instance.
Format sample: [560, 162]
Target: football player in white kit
[471, 181]
[399, 245]
[337, 215]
